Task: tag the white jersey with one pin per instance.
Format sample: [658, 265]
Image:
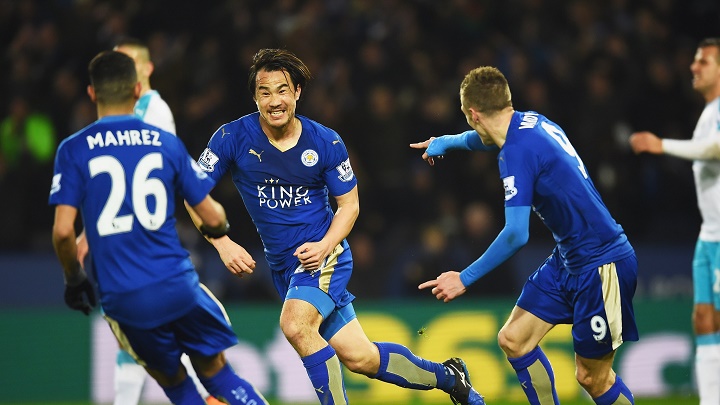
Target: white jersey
[152, 109]
[707, 173]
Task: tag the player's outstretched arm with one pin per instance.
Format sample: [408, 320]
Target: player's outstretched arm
[438, 147]
[237, 260]
[690, 149]
[645, 142]
[514, 235]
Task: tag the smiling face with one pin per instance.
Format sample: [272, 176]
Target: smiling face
[276, 99]
[706, 72]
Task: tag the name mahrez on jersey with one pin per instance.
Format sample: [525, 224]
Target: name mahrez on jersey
[128, 137]
[282, 196]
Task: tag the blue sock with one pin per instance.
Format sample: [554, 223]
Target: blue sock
[184, 393]
[536, 377]
[399, 366]
[323, 368]
[617, 394]
[229, 387]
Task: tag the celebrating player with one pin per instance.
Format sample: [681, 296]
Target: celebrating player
[285, 166]
[590, 277]
[122, 175]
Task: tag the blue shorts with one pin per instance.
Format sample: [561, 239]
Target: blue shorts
[598, 303]
[325, 288]
[204, 331]
[706, 273]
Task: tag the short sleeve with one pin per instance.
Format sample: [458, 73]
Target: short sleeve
[67, 186]
[339, 175]
[518, 170]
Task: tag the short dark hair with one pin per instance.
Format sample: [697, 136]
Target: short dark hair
[113, 76]
[272, 60]
[486, 89]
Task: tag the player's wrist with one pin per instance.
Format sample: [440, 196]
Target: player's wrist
[465, 278]
[215, 232]
[77, 277]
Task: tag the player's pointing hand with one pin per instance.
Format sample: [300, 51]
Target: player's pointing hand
[424, 145]
[445, 287]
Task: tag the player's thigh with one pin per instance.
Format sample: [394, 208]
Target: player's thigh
[603, 316]
[354, 348]
[300, 313]
[706, 273]
[522, 332]
[351, 342]
[155, 349]
[332, 278]
[205, 333]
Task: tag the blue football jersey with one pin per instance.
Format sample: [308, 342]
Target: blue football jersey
[123, 175]
[286, 193]
[540, 168]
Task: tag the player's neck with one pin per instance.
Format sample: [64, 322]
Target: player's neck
[145, 88]
[496, 126]
[284, 137]
[712, 95]
[104, 110]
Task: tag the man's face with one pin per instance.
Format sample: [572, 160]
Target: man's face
[276, 98]
[705, 70]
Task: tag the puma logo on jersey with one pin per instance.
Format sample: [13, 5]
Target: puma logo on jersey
[252, 152]
[224, 133]
[335, 142]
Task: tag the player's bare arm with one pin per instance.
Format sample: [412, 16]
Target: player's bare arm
[82, 248]
[446, 287]
[236, 259]
[646, 142]
[64, 239]
[312, 254]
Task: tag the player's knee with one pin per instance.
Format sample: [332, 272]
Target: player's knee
[295, 332]
[703, 319]
[510, 344]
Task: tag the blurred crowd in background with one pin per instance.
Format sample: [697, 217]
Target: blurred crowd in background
[386, 73]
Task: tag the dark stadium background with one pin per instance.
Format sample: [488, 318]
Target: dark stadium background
[386, 73]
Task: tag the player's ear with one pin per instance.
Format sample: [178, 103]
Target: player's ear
[91, 93]
[474, 114]
[137, 90]
[298, 90]
[149, 68]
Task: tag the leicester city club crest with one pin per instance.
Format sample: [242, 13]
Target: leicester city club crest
[309, 158]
